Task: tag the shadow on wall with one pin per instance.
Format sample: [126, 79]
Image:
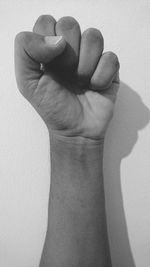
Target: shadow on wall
[131, 116]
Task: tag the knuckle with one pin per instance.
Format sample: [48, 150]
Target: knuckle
[23, 38]
[67, 22]
[19, 38]
[44, 18]
[113, 59]
[93, 33]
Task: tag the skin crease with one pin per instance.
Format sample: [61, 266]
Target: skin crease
[73, 97]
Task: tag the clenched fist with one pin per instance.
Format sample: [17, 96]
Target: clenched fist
[66, 76]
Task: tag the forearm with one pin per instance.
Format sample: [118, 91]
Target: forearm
[77, 232]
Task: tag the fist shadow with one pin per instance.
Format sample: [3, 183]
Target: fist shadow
[131, 116]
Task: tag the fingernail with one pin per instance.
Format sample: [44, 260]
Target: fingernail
[52, 40]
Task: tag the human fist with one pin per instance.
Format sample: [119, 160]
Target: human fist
[66, 76]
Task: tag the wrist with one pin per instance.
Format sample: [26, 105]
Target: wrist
[79, 141]
[76, 147]
[75, 157]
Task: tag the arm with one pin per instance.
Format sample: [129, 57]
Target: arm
[74, 93]
[77, 233]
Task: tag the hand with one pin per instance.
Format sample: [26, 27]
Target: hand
[66, 77]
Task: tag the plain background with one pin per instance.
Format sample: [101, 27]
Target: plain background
[24, 143]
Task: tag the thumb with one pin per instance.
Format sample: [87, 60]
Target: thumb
[32, 49]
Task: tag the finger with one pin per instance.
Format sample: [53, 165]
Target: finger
[45, 25]
[69, 28]
[116, 78]
[106, 69]
[115, 86]
[31, 49]
[111, 93]
[91, 49]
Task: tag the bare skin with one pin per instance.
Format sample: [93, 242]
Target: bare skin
[57, 94]
[72, 84]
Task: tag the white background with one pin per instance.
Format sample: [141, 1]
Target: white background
[24, 143]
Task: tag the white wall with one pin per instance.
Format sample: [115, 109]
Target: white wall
[24, 144]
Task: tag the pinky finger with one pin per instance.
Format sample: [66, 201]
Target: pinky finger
[106, 72]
